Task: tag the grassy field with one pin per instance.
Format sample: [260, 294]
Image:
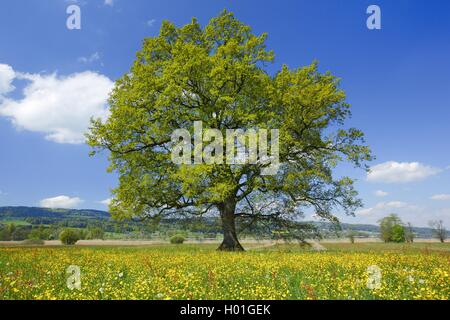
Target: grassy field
[417, 271]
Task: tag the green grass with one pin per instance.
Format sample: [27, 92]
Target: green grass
[198, 271]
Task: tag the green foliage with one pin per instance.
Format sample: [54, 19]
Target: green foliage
[39, 233]
[13, 232]
[5, 234]
[217, 74]
[177, 239]
[392, 229]
[95, 233]
[398, 233]
[69, 236]
[82, 234]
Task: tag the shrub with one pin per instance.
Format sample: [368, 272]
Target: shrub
[177, 239]
[398, 234]
[69, 236]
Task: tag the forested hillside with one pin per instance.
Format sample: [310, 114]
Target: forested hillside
[23, 220]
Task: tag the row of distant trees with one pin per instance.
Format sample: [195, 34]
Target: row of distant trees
[13, 232]
[393, 229]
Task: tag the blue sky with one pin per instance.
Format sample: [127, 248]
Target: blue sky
[397, 80]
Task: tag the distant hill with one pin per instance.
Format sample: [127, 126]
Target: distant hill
[6, 213]
[57, 217]
[84, 217]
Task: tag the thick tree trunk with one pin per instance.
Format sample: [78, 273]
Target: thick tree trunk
[230, 240]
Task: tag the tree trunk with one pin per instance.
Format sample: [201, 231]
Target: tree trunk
[230, 241]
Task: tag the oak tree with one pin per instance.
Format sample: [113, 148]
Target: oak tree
[218, 74]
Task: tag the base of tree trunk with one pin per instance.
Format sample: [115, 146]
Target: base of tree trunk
[230, 240]
[230, 247]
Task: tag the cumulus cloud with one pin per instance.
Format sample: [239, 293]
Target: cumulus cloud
[61, 202]
[419, 216]
[381, 193]
[384, 207]
[400, 172]
[441, 197]
[59, 106]
[7, 76]
[106, 202]
[151, 22]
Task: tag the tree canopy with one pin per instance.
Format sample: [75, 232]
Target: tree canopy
[217, 74]
[392, 229]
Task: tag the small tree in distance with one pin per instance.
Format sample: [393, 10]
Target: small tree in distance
[351, 235]
[392, 229]
[439, 230]
[69, 236]
[177, 239]
[409, 233]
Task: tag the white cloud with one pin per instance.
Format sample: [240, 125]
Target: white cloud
[7, 76]
[61, 202]
[106, 202]
[109, 3]
[59, 106]
[92, 58]
[441, 197]
[400, 172]
[151, 22]
[383, 207]
[419, 216]
[381, 193]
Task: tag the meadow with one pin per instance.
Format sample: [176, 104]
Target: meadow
[188, 271]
